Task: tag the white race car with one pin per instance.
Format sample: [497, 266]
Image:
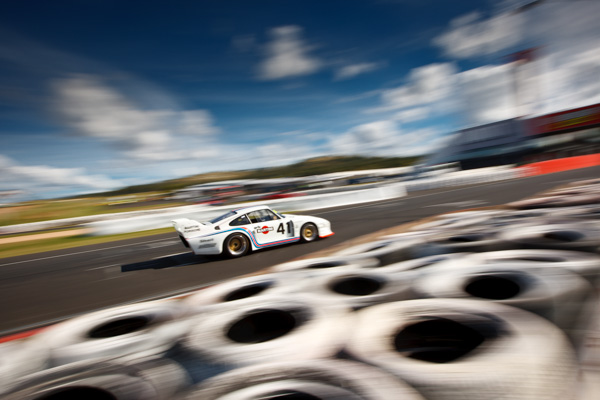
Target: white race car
[250, 228]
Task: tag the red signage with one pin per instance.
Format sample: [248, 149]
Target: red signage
[565, 120]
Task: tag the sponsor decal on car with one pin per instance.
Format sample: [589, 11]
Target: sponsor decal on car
[265, 229]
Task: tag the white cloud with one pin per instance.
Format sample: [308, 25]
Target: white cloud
[93, 109]
[430, 87]
[42, 178]
[566, 66]
[381, 138]
[470, 35]
[488, 94]
[411, 114]
[287, 55]
[350, 71]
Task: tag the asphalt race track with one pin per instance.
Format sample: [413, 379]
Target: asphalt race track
[42, 288]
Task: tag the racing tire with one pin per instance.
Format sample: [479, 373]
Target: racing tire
[241, 289]
[419, 265]
[128, 332]
[319, 265]
[103, 380]
[358, 289]
[456, 349]
[236, 245]
[390, 251]
[584, 264]
[265, 329]
[325, 379]
[554, 294]
[557, 236]
[309, 232]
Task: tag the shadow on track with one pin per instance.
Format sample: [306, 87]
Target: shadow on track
[179, 260]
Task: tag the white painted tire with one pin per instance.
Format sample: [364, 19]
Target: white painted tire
[127, 332]
[456, 349]
[20, 358]
[463, 219]
[418, 265]
[467, 240]
[314, 266]
[103, 380]
[358, 289]
[241, 289]
[575, 236]
[390, 251]
[267, 329]
[322, 379]
[584, 264]
[555, 294]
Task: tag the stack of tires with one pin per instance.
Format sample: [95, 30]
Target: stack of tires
[472, 305]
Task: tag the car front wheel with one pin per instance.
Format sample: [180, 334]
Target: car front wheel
[309, 232]
[236, 245]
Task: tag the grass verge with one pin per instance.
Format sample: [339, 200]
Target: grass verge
[60, 243]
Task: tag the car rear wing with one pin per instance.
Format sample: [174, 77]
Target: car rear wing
[187, 227]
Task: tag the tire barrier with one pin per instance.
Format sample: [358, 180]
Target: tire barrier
[390, 251]
[456, 349]
[555, 294]
[325, 379]
[557, 201]
[266, 329]
[127, 332]
[458, 220]
[573, 236]
[584, 264]
[358, 289]
[244, 288]
[18, 359]
[314, 266]
[102, 380]
[419, 264]
[467, 241]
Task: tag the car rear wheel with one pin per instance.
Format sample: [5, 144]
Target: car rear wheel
[309, 232]
[236, 245]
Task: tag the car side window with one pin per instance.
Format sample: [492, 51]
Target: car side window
[271, 215]
[241, 220]
[254, 217]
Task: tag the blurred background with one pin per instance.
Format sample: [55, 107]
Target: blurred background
[101, 96]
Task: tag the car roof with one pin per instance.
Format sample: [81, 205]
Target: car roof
[245, 210]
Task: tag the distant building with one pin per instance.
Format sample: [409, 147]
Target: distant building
[524, 140]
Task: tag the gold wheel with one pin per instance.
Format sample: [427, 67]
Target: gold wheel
[309, 232]
[237, 245]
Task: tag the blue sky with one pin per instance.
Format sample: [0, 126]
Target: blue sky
[100, 94]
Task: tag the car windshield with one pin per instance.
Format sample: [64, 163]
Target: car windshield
[222, 217]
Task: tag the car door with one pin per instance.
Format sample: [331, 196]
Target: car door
[268, 227]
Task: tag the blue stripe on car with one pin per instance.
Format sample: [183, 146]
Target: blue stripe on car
[253, 238]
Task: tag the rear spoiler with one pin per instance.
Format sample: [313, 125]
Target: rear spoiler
[186, 226]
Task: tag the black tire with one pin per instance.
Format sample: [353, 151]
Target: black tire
[236, 245]
[309, 232]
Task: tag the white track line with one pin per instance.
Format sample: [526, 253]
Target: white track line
[80, 252]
